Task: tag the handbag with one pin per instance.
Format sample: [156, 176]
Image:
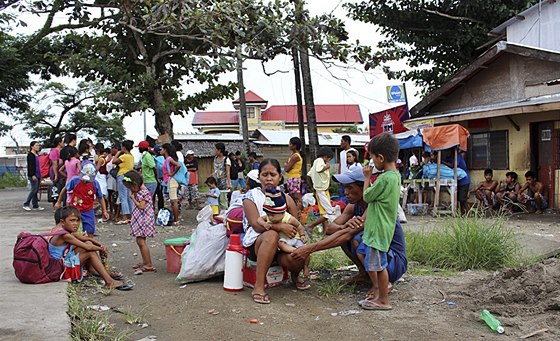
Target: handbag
[114, 171]
[52, 192]
[182, 175]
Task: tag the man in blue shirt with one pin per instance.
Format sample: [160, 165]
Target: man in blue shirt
[463, 184]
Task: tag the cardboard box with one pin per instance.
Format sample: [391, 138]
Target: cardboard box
[275, 276]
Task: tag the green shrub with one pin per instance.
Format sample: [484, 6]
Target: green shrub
[12, 180]
[465, 243]
[330, 259]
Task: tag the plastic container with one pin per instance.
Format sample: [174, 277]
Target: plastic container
[417, 209]
[233, 272]
[491, 321]
[275, 276]
[173, 249]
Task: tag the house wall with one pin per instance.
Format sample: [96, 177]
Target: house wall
[539, 32]
[510, 78]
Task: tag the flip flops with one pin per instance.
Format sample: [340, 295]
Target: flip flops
[370, 305]
[125, 287]
[122, 222]
[304, 285]
[261, 298]
[143, 269]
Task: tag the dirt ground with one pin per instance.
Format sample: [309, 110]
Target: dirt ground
[424, 307]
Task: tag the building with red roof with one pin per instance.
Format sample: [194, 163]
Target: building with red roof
[276, 117]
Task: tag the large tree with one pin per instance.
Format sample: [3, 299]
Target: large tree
[435, 38]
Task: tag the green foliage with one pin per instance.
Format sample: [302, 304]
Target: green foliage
[465, 243]
[81, 109]
[333, 287]
[330, 259]
[12, 180]
[349, 130]
[435, 38]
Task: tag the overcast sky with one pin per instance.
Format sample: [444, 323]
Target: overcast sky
[364, 88]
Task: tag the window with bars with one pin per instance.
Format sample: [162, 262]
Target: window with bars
[489, 150]
[251, 112]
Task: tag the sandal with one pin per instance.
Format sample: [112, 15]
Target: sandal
[125, 287]
[261, 298]
[122, 222]
[146, 269]
[371, 305]
[138, 266]
[303, 285]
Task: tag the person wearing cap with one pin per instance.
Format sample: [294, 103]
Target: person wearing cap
[85, 190]
[347, 229]
[159, 160]
[191, 193]
[125, 160]
[149, 171]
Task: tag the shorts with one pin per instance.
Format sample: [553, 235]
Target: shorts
[173, 187]
[252, 255]
[293, 242]
[293, 185]
[215, 209]
[325, 208]
[191, 194]
[375, 260]
[463, 193]
[534, 203]
[88, 221]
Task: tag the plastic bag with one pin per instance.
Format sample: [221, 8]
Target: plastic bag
[308, 200]
[205, 256]
[205, 214]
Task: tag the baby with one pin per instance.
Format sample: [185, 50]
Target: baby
[275, 208]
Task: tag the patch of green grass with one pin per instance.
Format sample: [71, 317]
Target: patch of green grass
[333, 287]
[88, 324]
[465, 243]
[12, 180]
[135, 316]
[330, 259]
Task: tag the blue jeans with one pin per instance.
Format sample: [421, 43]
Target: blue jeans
[151, 186]
[32, 197]
[238, 182]
[124, 196]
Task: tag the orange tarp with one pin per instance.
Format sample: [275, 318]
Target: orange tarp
[445, 137]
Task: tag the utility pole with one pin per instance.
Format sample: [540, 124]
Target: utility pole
[242, 103]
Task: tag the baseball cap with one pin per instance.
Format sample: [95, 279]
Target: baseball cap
[355, 175]
[157, 148]
[143, 144]
[190, 152]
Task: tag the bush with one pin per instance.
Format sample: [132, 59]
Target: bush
[12, 180]
[465, 243]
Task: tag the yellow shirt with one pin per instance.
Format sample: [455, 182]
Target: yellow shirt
[127, 163]
[295, 172]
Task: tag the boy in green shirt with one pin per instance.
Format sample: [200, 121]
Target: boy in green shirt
[382, 198]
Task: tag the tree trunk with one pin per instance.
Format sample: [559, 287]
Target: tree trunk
[299, 102]
[242, 104]
[309, 104]
[164, 124]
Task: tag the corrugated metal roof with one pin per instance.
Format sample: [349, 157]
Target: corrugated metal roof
[208, 137]
[251, 97]
[282, 137]
[500, 29]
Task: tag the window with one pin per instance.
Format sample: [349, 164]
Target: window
[489, 150]
[251, 112]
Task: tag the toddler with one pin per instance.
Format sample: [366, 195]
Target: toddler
[213, 195]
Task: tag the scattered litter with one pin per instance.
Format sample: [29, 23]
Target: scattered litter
[544, 234]
[135, 254]
[346, 313]
[183, 286]
[348, 268]
[114, 244]
[98, 307]
[148, 338]
[317, 318]
[254, 321]
[450, 303]
[213, 312]
[143, 325]
[536, 332]
[290, 304]
[444, 298]
[436, 270]
[236, 311]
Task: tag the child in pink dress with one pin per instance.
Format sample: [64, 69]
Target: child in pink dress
[142, 220]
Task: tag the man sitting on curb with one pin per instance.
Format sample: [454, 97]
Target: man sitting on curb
[347, 230]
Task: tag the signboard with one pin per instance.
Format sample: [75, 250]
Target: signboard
[396, 94]
[390, 120]
[419, 124]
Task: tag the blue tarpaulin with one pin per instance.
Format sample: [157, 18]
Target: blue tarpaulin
[409, 139]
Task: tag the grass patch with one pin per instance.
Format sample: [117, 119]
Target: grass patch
[132, 316]
[465, 243]
[330, 259]
[334, 286]
[88, 324]
[12, 180]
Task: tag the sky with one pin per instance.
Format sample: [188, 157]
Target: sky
[351, 86]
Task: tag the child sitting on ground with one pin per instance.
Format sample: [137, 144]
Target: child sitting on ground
[379, 227]
[276, 212]
[485, 192]
[213, 195]
[85, 189]
[142, 219]
[85, 247]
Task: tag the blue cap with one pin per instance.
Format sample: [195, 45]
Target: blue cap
[355, 175]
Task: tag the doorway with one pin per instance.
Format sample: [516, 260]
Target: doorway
[544, 156]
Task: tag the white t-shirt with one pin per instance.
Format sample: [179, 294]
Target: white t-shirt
[342, 160]
[413, 161]
[180, 157]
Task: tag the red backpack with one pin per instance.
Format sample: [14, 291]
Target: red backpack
[32, 262]
[83, 196]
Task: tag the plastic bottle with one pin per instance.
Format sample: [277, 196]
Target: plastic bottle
[491, 321]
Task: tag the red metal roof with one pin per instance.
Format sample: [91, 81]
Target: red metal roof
[251, 97]
[327, 113]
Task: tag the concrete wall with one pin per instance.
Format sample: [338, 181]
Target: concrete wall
[509, 78]
[539, 30]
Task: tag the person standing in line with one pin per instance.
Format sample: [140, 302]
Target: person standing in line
[170, 167]
[222, 167]
[192, 194]
[34, 176]
[293, 171]
[149, 171]
[255, 164]
[345, 142]
[70, 140]
[160, 160]
[125, 160]
[54, 157]
[237, 168]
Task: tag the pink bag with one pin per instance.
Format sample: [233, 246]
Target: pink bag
[234, 221]
[32, 261]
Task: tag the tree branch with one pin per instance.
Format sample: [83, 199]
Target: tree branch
[271, 73]
[452, 17]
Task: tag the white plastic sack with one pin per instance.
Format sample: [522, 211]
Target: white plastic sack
[205, 256]
[308, 199]
[205, 214]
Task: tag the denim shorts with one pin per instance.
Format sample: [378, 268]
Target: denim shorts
[375, 260]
